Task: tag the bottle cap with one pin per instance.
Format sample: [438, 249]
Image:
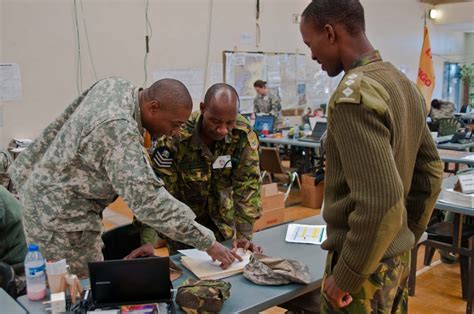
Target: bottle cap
[33, 248]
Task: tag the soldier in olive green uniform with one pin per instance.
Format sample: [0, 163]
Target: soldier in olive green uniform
[213, 166]
[383, 172]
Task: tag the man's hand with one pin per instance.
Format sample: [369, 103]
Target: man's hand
[144, 250]
[219, 252]
[336, 296]
[245, 244]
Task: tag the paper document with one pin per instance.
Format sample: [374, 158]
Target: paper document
[470, 157]
[310, 234]
[201, 264]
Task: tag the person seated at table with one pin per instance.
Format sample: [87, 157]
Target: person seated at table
[441, 109]
[213, 167]
[13, 247]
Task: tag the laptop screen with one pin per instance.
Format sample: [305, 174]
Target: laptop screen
[319, 129]
[261, 120]
[126, 282]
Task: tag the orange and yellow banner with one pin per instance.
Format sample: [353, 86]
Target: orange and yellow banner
[426, 74]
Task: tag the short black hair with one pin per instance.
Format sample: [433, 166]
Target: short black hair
[348, 13]
[260, 84]
[169, 92]
[212, 91]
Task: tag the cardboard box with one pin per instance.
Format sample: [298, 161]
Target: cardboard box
[270, 218]
[272, 198]
[312, 195]
[292, 112]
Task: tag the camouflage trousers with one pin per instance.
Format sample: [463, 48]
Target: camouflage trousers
[78, 248]
[385, 291]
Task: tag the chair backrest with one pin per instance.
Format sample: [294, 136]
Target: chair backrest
[120, 241]
[270, 160]
[448, 126]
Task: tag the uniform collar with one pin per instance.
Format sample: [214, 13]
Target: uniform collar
[137, 113]
[196, 138]
[366, 58]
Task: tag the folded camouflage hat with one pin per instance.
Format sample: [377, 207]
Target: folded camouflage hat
[202, 296]
[265, 270]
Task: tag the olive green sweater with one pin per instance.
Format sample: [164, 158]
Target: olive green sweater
[383, 171]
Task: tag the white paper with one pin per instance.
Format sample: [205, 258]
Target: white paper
[193, 79]
[10, 82]
[310, 234]
[470, 157]
[246, 38]
[202, 256]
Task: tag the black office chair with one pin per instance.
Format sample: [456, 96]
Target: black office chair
[7, 279]
[120, 241]
[443, 232]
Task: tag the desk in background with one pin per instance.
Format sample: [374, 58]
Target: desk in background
[247, 297]
[455, 157]
[456, 146]
[289, 142]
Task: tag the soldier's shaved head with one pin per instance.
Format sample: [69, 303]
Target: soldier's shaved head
[169, 92]
[219, 112]
[165, 106]
[223, 92]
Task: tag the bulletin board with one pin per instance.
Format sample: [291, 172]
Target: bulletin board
[298, 81]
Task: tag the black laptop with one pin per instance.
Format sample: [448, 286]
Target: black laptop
[128, 282]
[317, 132]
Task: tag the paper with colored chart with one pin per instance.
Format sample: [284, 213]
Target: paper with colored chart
[310, 234]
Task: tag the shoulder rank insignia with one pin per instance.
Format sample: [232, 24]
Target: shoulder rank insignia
[163, 157]
[253, 140]
[348, 90]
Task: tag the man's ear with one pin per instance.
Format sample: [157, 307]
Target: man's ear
[202, 107]
[330, 32]
[154, 106]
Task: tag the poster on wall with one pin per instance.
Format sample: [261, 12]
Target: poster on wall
[10, 82]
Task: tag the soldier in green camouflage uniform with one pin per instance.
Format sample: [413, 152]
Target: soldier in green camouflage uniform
[213, 166]
[265, 102]
[94, 151]
[5, 162]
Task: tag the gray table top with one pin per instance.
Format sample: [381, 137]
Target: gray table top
[447, 184]
[456, 146]
[247, 297]
[9, 305]
[289, 141]
[456, 157]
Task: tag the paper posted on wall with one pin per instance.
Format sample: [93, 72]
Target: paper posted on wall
[309, 234]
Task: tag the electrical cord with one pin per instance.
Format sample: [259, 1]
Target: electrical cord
[78, 45]
[148, 35]
[87, 40]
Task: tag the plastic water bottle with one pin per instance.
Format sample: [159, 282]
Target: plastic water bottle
[307, 129]
[35, 273]
[265, 129]
[287, 123]
[296, 133]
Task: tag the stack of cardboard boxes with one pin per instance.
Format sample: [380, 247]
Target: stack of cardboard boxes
[312, 191]
[273, 207]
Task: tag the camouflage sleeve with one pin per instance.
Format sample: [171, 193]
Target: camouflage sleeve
[127, 165]
[24, 163]
[148, 235]
[246, 185]
[256, 107]
[161, 162]
[276, 105]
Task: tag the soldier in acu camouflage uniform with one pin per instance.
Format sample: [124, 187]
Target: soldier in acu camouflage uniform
[93, 152]
[265, 102]
[213, 166]
[5, 162]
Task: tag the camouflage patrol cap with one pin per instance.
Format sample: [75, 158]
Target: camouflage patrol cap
[202, 296]
[265, 270]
